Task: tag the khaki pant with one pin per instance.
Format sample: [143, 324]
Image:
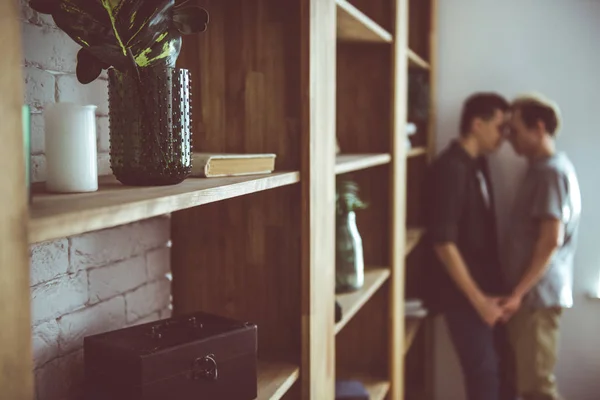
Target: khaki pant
[534, 338]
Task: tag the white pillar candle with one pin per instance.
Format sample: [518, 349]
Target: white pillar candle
[71, 154]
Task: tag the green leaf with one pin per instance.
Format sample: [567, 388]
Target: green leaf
[88, 67]
[125, 34]
[347, 198]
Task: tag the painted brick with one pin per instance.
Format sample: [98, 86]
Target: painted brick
[148, 299]
[45, 342]
[104, 164]
[150, 318]
[96, 249]
[61, 379]
[70, 90]
[102, 132]
[38, 168]
[39, 88]
[99, 318]
[49, 260]
[49, 48]
[38, 135]
[58, 297]
[31, 16]
[121, 277]
[158, 263]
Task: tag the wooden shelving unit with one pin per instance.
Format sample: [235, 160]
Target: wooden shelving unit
[413, 237]
[377, 390]
[54, 216]
[417, 151]
[275, 379]
[345, 163]
[276, 77]
[418, 345]
[354, 26]
[412, 327]
[352, 302]
[416, 61]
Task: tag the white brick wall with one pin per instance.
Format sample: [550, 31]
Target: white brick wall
[90, 284]
[49, 70]
[97, 281]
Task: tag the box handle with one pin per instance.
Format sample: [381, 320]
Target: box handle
[205, 368]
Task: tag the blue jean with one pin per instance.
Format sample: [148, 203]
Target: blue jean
[484, 355]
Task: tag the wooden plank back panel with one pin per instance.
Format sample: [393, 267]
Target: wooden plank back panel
[245, 79]
[241, 257]
[362, 346]
[16, 378]
[363, 126]
[415, 197]
[419, 24]
[363, 109]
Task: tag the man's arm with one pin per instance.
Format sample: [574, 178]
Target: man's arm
[549, 239]
[487, 307]
[547, 209]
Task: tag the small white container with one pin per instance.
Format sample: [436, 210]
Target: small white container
[71, 153]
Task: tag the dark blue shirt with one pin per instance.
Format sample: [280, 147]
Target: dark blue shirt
[460, 209]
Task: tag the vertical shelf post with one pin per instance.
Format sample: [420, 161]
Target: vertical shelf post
[318, 33]
[398, 200]
[16, 363]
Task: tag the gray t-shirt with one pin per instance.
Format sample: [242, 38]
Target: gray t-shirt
[550, 190]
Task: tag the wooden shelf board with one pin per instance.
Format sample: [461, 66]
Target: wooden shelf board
[275, 379]
[410, 332]
[352, 302]
[354, 162]
[54, 216]
[416, 61]
[377, 388]
[354, 26]
[413, 237]
[417, 151]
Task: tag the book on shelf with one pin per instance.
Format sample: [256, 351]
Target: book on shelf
[210, 165]
[413, 308]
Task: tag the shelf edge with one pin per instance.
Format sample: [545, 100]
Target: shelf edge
[369, 161]
[417, 60]
[347, 317]
[383, 36]
[55, 227]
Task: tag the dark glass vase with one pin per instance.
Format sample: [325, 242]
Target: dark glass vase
[349, 261]
[150, 137]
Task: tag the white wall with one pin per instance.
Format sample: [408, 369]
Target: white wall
[552, 46]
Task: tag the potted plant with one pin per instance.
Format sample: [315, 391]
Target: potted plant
[349, 261]
[138, 42]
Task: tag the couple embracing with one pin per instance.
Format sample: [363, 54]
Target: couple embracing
[502, 298]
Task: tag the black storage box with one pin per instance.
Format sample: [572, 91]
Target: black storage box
[197, 356]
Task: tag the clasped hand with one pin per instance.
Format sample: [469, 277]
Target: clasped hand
[498, 309]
